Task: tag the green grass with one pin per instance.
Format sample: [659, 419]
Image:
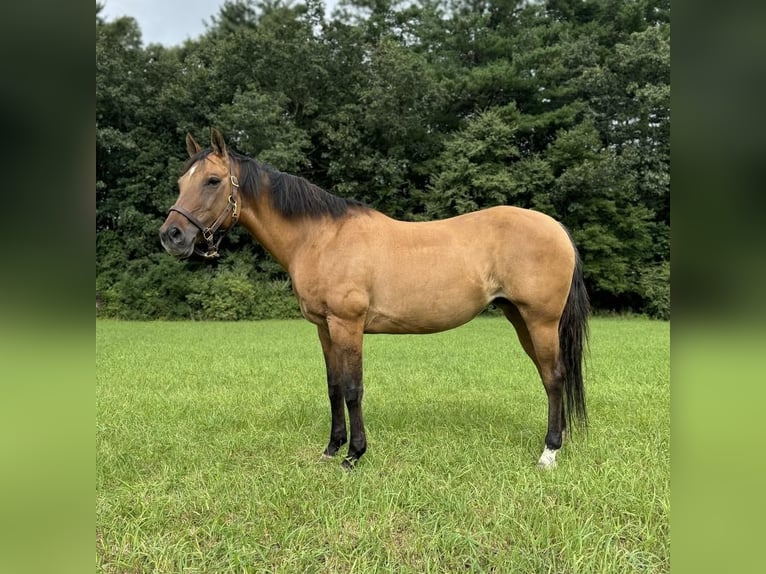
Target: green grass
[209, 434]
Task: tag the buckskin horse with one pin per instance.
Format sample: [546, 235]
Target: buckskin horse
[355, 271]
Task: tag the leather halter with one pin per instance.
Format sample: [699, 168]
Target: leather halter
[208, 233]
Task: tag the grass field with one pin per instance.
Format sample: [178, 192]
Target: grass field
[209, 434]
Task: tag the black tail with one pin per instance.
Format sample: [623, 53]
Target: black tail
[573, 338]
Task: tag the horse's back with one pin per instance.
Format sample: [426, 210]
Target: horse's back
[491, 242]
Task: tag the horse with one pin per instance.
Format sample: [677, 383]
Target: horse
[356, 271]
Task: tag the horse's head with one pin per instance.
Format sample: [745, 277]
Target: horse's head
[207, 201]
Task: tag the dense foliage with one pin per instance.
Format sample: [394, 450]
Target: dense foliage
[423, 109]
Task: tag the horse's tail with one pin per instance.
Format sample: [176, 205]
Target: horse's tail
[573, 339]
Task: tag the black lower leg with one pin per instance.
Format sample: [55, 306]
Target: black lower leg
[553, 440]
[556, 424]
[338, 425]
[358, 445]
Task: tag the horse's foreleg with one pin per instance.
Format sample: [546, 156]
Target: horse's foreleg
[353, 390]
[345, 370]
[335, 392]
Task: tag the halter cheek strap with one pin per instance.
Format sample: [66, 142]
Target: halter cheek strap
[208, 232]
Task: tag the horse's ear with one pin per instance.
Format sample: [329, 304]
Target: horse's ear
[192, 146]
[216, 140]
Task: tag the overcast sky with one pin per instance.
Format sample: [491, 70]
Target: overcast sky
[167, 22]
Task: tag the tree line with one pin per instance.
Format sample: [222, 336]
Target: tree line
[422, 109]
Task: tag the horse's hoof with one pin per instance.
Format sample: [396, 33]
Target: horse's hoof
[349, 463]
[325, 457]
[547, 459]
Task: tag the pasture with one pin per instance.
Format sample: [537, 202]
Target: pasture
[209, 435]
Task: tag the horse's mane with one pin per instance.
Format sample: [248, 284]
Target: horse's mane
[291, 195]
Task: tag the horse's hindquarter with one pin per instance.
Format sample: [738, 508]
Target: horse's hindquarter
[417, 277]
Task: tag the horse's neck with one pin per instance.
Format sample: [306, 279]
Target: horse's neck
[278, 235]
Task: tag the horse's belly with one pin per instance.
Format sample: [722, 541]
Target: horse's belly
[424, 311]
[400, 326]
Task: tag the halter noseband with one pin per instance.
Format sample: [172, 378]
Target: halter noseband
[208, 233]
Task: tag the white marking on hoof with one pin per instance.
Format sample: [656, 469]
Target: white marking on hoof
[547, 459]
[325, 457]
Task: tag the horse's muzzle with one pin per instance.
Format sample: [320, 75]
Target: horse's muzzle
[176, 241]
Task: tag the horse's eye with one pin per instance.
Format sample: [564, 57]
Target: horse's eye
[213, 181]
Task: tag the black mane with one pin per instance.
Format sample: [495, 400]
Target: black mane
[291, 196]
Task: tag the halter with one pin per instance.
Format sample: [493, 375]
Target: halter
[208, 233]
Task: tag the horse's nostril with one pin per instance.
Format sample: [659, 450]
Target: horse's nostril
[174, 233]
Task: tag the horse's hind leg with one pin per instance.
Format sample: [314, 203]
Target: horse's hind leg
[542, 345]
[545, 339]
[512, 314]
